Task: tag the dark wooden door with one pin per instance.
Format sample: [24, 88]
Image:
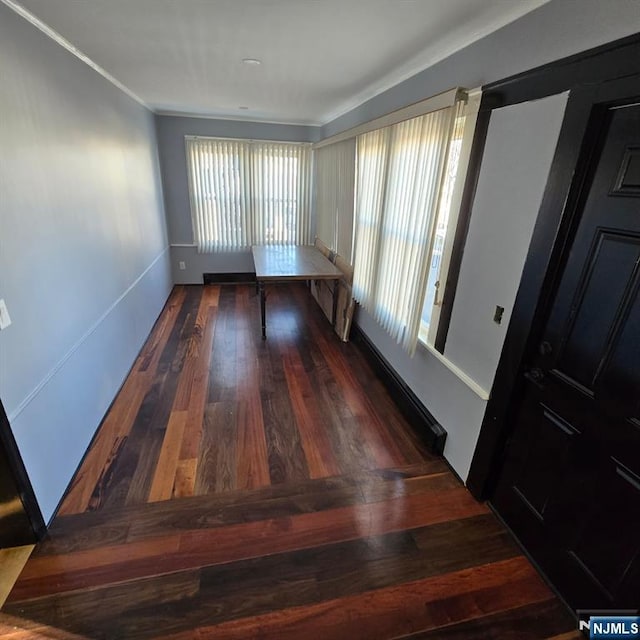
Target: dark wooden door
[570, 484]
[20, 518]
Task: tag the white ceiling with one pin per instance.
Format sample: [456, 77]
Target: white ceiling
[320, 58]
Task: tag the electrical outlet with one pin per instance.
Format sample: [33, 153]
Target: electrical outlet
[5, 320]
[182, 265]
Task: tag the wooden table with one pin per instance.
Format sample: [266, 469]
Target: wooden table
[278, 263]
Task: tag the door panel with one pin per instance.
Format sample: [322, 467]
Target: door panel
[616, 384]
[609, 519]
[547, 457]
[570, 484]
[609, 269]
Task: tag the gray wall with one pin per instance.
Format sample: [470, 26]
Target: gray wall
[171, 132]
[84, 263]
[500, 231]
[555, 30]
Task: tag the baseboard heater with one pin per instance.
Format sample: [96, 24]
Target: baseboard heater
[229, 278]
[417, 415]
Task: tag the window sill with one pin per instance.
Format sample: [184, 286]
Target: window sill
[483, 394]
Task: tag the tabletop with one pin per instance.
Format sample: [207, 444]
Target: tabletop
[287, 262]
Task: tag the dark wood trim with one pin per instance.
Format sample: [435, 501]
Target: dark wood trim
[462, 228]
[617, 59]
[19, 473]
[416, 414]
[580, 138]
[229, 278]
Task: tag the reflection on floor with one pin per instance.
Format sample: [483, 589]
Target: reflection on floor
[240, 489]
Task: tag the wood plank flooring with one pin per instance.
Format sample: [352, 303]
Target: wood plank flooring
[247, 489]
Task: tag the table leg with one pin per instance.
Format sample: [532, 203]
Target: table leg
[263, 313]
[336, 293]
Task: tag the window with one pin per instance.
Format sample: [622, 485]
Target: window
[452, 187]
[246, 192]
[400, 224]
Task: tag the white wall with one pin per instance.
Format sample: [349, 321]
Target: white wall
[84, 263]
[520, 146]
[519, 149]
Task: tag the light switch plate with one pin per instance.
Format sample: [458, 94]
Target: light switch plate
[5, 320]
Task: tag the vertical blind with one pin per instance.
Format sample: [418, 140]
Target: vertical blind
[399, 183]
[334, 185]
[246, 192]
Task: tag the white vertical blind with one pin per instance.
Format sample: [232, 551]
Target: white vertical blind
[334, 184]
[325, 180]
[245, 192]
[399, 182]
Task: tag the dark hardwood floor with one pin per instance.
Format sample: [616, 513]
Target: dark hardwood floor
[247, 489]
